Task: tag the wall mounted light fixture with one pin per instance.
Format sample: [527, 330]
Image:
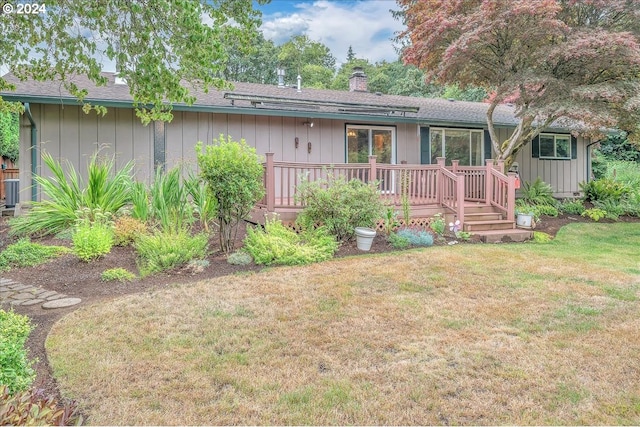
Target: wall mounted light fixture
[308, 123]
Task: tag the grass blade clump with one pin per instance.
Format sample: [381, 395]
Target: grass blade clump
[168, 249]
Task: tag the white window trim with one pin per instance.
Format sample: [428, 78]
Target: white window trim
[555, 146]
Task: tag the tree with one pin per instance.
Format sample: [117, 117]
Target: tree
[301, 51]
[253, 63]
[9, 136]
[158, 46]
[350, 54]
[556, 60]
[233, 173]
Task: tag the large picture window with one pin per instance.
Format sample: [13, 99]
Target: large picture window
[363, 141]
[464, 145]
[555, 146]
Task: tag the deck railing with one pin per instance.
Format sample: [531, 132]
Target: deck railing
[424, 185]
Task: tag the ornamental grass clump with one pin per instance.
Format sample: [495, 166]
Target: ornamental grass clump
[276, 244]
[168, 249]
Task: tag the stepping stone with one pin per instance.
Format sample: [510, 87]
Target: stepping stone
[6, 281]
[61, 303]
[46, 294]
[32, 302]
[19, 287]
[23, 296]
[55, 296]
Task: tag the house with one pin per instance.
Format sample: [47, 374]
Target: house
[300, 126]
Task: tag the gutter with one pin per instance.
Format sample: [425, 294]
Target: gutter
[588, 156]
[34, 152]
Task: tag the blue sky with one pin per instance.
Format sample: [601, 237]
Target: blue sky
[366, 25]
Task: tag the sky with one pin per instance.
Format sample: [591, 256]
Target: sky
[366, 25]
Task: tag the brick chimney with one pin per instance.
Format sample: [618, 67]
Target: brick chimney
[358, 80]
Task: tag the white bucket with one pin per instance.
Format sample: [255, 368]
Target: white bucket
[364, 237]
[524, 220]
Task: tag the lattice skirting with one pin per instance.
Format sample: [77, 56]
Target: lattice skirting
[413, 222]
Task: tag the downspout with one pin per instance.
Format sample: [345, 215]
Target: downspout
[588, 148]
[34, 153]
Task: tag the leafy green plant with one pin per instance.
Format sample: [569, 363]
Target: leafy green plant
[405, 182]
[205, 205]
[437, 224]
[416, 236]
[611, 207]
[140, 202]
[32, 408]
[24, 253]
[398, 242]
[9, 135]
[390, 220]
[536, 210]
[240, 258]
[463, 235]
[117, 274]
[126, 230]
[340, 205]
[604, 189]
[167, 249]
[67, 194]
[16, 370]
[573, 207]
[537, 193]
[169, 200]
[540, 237]
[234, 174]
[92, 239]
[276, 244]
[595, 214]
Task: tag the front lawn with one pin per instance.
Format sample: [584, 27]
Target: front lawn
[464, 334]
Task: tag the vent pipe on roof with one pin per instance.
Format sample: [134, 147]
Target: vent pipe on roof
[299, 83]
[280, 73]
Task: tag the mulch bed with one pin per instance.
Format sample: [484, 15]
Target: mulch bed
[75, 278]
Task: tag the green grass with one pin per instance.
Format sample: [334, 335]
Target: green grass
[464, 334]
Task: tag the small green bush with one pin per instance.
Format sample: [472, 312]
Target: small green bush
[537, 193]
[239, 258]
[416, 236]
[613, 209]
[398, 242]
[540, 237]
[595, 214]
[276, 244]
[437, 224]
[164, 250]
[31, 408]
[340, 205]
[117, 274]
[24, 253]
[91, 240]
[126, 230]
[572, 207]
[15, 368]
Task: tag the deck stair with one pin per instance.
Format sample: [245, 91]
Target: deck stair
[489, 223]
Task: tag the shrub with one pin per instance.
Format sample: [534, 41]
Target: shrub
[276, 244]
[15, 369]
[239, 258]
[540, 237]
[573, 207]
[595, 214]
[416, 236]
[205, 205]
[169, 205]
[340, 205]
[603, 189]
[126, 230]
[537, 193]
[67, 195]
[437, 224]
[398, 242]
[536, 210]
[31, 408]
[117, 274]
[91, 240]
[233, 173]
[164, 250]
[23, 253]
[612, 208]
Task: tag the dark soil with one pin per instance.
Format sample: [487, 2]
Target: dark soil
[70, 276]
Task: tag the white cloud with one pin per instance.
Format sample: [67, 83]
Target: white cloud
[367, 26]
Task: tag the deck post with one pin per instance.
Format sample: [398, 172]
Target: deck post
[460, 198]
[500, 166]
[270, 183]
[372, 168]
[439, 188]
[511, 196]
[488, 181]
[454, 165]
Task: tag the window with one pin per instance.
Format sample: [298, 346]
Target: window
[464, 145]
[363, 141]
[555, 146]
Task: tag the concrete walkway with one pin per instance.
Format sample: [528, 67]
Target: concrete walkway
[14, 293]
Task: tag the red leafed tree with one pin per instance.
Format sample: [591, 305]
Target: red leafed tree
[555, 60]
